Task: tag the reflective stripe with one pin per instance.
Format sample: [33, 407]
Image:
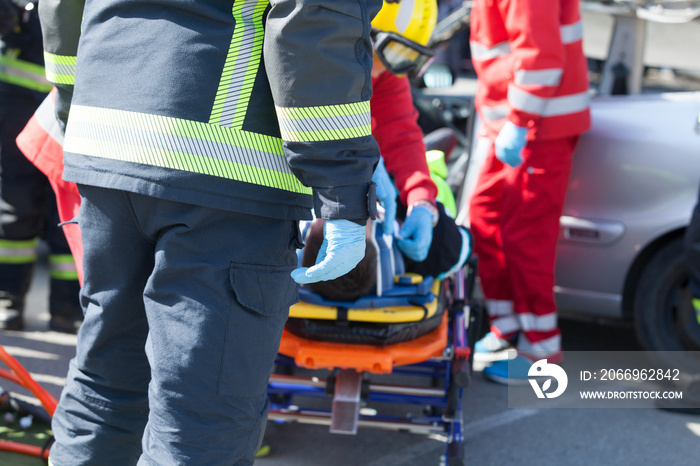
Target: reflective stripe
[62, 267]
[538, 323]
[571, 33]
[494, 113]
[18, 252]
[506, 324]
[329, 123]
[23, 73]
[180, 144]
[241, 67]
[499, 307]
[549, 77]
[60, 69]
[548, 345]
[554, 106]
[481, 52]
[696, 306]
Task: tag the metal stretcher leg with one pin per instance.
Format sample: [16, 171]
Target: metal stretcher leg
[346, 402]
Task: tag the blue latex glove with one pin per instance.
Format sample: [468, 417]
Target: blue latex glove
[386, 194]
[342, 249]
[417, 234]
[509, 144]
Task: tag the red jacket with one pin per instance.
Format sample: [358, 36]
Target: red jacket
[41, 142]
[400, 139]
[531, 69]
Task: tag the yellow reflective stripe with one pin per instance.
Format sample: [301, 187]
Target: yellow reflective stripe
[60, 69]
[326, 123]
[182, 145]
[23, 73]
[696, 306]
[18, 252]
[241, 67]
[62, 267]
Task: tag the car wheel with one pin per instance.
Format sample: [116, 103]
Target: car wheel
[664, 318]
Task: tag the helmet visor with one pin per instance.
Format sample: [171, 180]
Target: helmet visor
[400, 55]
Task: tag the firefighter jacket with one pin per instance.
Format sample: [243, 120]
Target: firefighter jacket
[256, 106]
[531, 69]
[21, 54]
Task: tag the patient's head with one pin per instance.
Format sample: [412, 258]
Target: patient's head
[359, 282]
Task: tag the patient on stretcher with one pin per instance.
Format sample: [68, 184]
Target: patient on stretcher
[450, 249]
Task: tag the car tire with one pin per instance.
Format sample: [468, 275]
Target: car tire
[664, 318]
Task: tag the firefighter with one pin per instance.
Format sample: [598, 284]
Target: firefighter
[532, 97]
[199, 134]
[28, 209]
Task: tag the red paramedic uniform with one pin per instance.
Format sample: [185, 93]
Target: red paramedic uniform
[532, 72]
[395, 119]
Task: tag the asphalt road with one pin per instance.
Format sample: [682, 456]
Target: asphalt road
[494, 433]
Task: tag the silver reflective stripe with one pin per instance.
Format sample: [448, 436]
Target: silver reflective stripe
[571, 33]
[46, 117]
[481, 52]
[538, 323]
[242, 63]
[549, 345]
[325, 123]
[506, 324]
[546, 107]
[549, 77]
[494, 113]
[179, 144]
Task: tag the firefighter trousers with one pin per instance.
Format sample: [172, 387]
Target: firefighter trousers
[184, 309]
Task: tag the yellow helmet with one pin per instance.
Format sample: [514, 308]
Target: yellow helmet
[412, 19]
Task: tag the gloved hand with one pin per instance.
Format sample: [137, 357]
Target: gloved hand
[417, 234]
[386, 194]
[342, 249]
[509, 144]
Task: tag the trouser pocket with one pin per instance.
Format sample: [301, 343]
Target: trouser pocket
[259, 308]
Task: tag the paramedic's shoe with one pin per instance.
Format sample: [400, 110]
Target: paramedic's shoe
[492, 347]
[508, 372]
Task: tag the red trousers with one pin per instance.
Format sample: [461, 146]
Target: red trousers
[514, 217]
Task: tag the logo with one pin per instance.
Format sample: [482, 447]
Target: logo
[542, 369]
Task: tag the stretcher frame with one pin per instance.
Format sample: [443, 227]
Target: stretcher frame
[444, 354]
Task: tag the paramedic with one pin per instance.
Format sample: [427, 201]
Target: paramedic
[532, 97]
[27, 208]
[199, 136]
